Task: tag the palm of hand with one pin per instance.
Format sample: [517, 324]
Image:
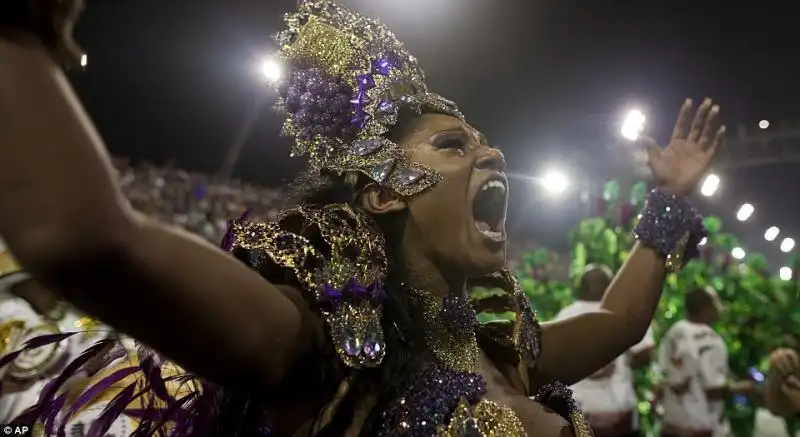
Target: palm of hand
[695, 141]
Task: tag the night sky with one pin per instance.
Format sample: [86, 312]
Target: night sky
[546, 80]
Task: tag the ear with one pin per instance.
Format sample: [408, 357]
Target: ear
[379, 200]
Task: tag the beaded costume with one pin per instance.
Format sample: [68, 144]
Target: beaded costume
[349, 78]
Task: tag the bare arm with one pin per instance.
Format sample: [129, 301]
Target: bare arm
[574, 348]
[63, 216]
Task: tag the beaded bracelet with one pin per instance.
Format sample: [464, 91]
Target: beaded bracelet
[672, 226]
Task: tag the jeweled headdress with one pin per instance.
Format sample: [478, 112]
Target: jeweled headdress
[348, 77]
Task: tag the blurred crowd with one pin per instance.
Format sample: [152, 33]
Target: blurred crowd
[194, 201]
[198, 203]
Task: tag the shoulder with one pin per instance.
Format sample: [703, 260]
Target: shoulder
[331, 262]
[569, 311]
[678, 330]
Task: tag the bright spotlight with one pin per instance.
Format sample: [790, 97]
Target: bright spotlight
[745, 212]
[271, 69]
[555, 182]
[787, 245]
[84, 60]
[633, 125]
[710, 185]
[738, 253]
[772, 233]
[763, 124]
[785, 273]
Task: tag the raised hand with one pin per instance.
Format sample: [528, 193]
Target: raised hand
[786, 361]
[696, 138]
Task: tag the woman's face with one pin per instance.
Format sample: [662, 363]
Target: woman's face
[459, 223]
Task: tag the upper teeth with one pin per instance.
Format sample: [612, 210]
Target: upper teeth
[494, 183]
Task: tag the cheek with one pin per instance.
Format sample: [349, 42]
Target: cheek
[440, 215]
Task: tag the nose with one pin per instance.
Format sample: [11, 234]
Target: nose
[491, 159]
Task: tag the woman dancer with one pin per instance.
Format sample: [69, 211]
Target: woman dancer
[348, 315]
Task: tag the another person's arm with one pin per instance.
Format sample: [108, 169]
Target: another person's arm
[714, 376]
[63, 216]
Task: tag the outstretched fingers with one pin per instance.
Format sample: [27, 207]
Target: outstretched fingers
[717, 142]
[684, 122]
[700, 121]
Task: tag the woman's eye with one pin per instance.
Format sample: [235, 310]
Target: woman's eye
[452, 143]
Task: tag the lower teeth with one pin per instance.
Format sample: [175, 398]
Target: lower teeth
[485, 229]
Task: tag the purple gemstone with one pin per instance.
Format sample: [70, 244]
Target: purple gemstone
[360, 99]
[316, 85]
[365, 82]
[301, 117]
[381, 171]
[409, 175]
[360, 120]
[382, 66]
[307, 100]
[387, 107]
[351, 345]
[372, 345]
[293, 93]
[366, 147]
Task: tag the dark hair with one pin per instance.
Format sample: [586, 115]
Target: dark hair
[402, 336]
[404, 339]
[587, 287]
[697, 301]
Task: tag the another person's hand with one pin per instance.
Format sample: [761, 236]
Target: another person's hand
[782, 394]
[786, 361]
[696, 138]
[791, 388]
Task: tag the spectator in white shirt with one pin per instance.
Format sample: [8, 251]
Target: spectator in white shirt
[694, 359]
[608, 398]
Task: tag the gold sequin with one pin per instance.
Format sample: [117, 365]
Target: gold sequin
[457, 350]
[9, 334]
[486, 419]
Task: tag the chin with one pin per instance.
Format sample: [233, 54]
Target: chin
[484, 261]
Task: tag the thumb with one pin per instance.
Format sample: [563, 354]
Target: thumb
[651, 147]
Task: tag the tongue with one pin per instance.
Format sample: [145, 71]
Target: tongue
[483, 226]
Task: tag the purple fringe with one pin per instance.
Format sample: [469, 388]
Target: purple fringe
[193, 414]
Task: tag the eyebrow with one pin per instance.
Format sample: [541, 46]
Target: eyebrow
[469, 132]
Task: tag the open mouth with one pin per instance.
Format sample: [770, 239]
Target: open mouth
[489, 208]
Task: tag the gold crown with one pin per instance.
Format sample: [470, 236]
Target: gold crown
[349, 76]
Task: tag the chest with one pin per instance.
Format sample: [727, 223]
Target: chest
[504, 387]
